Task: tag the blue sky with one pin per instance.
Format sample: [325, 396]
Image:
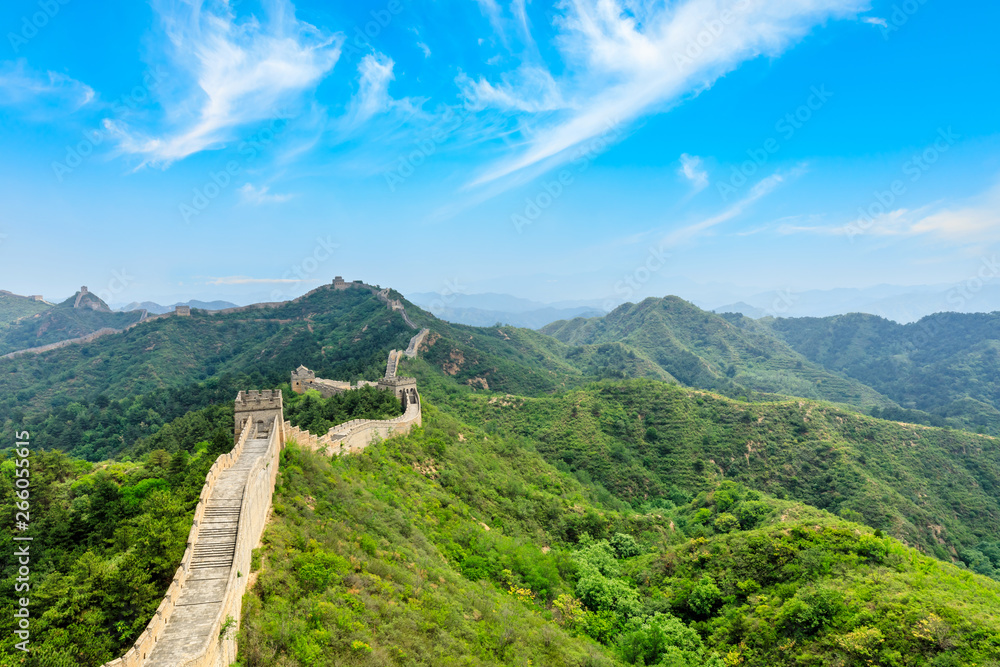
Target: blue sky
[584, 149]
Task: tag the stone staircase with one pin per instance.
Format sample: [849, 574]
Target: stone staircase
[201, 599]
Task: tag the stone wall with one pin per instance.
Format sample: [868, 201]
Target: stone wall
[143, 646]
[253, 515]
[354, 436]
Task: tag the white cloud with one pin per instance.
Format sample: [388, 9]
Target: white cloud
[258, 196]
[22, 86]
[425, 49]
[626, 58]
[759, 190]
[372, 98]
[528, 88]
[491, 10]
[875, 20]
[692, 170]
[227, 73]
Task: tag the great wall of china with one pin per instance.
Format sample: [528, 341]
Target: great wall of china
[197, 621]
[181, 311]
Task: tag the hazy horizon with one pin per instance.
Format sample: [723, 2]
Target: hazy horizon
[251, 152]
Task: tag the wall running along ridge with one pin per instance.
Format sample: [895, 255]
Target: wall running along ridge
[350, 437]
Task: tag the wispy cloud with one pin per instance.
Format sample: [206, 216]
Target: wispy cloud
[626, 58]
[231, 72]
[22, 86]
[375, 73]
[759, 190]
[692, 170]
[258, 196]
[875, 20]
[528, 88]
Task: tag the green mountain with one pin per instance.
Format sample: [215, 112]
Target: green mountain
[457, 545]
[80, 315]
[936, 489]
[550, 511]
[14, 307]
[946, 364]
[728, 353]
[96, 398]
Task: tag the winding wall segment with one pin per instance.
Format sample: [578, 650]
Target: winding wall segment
[189, 628]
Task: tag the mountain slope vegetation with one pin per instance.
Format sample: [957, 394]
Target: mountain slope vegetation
[94, 399]
[14, 307]
[946, 364]
[934, 488]
[62, 322]
[455, 546]
[728, 353]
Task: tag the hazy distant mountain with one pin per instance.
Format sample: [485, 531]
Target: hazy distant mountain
[903, 304]
[743, 309]
[487, 309]
[156, 309]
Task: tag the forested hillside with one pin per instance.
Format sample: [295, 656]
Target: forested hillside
[62, 322]
[458, 546]
[13, 307]
[96, 398]
[933, 488]
[729, 354]
[585, 499]
[947, 364]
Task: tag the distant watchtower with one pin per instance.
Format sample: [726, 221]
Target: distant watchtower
[338, 283]
[182, 311]
[260, 408]
[302, 377]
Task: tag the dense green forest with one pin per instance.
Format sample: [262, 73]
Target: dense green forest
[732, 356]
[318, 415]
[61, 322]
[946, 364]
[107, 539]
[633, 490]
[937, 489]
[13, 307]
[456, 546]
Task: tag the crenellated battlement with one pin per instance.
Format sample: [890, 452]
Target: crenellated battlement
[265, 399]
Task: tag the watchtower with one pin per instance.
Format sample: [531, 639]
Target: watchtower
[259, 408]
[302, 377]
[402, 387]
[338, 283]
[182, 311]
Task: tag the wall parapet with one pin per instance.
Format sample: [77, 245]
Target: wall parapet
[144, 645]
